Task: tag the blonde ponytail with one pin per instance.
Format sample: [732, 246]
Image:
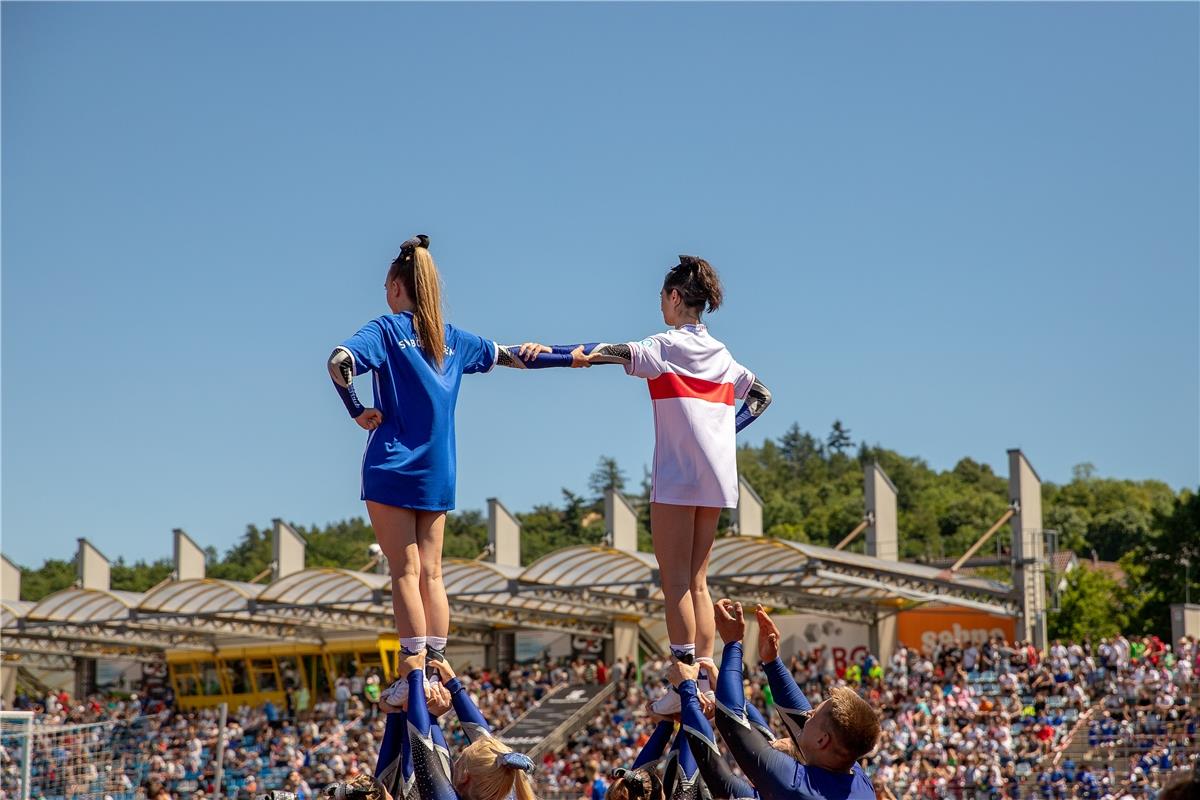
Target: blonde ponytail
[415, 268]
[427, 306]
[490, 779]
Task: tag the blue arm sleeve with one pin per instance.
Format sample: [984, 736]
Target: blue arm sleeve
[787, 693]
[341, 366]
[432, 779]
[349, 399]
[772, 774]
[565, 349]
[757, 400]
[549, 361]
[729, 681]
[702, 747]
[560, 356]
[394, 768]
[654, 748]
[439, 737]
[687, 762]
[469, 717]
[759, 721]
[743, 419]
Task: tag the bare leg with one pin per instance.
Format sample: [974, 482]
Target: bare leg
[673, 529]
[704, 532]
[430, 527]
[396, 532]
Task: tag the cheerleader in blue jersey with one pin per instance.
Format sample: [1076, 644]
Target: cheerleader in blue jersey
[681, 776]
[416, 361]
[819, 760]
[415, 762]
[486, 769]
[641, 781]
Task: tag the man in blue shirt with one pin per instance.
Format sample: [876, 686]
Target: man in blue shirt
[599, 787]
[819, 761]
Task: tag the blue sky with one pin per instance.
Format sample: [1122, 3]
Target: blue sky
[958, 228]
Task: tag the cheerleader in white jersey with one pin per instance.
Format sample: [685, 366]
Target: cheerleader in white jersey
[693, 383]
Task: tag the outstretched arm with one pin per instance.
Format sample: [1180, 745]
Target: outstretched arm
[469, 716]
[562, 355]
[535, 356]
[607, 354]
[394, 768]
[787, 693]
[433, 781]
[567, 355]
[759, 721]
[757, 400]
[656, 745]
[702, 744]
[681, 778]
[771, 772]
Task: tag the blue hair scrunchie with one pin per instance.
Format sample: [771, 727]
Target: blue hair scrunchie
[517, 761]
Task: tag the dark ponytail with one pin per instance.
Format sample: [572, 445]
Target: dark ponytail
[697, 283]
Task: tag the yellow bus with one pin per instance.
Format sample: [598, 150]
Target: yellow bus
[255, 673]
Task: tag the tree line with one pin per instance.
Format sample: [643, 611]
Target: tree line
[812, 491]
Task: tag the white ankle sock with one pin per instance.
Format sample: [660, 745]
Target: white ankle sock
[681, 651]
[413, 644]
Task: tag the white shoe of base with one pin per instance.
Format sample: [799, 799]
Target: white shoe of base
[670, 703]
[394, 696]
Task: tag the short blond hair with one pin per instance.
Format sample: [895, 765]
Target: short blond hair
[490, 780]
[855, 724]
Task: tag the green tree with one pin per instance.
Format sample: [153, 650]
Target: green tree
[839, 438]
[1157, 569]
[797, 447]
[466, 534]
[247, 558]
[53, 575]
[1090, 607]
[139, 576]
[607, 475]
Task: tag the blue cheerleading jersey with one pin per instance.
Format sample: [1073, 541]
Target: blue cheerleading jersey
[409, 459]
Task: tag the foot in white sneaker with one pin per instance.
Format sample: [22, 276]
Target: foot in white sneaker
[668, 704]
[395, 697]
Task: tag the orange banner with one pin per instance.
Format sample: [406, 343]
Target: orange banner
[923, 628]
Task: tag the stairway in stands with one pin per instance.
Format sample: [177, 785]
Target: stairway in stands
[548, 725]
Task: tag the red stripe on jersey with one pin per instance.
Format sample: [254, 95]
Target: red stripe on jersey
[670, 385]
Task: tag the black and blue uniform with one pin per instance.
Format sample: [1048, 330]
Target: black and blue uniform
[775, 775]
[415, 749]
[681, 778]
[722, 783]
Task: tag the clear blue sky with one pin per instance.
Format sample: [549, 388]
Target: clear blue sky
[958, 228]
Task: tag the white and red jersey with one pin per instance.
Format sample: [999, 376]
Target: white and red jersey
[693, 384]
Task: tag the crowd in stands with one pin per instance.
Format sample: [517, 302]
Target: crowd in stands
[1108, 719]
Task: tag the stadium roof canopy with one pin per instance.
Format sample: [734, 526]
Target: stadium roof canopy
[576, 589]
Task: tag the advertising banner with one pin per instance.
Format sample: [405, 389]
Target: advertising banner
[923, 628]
